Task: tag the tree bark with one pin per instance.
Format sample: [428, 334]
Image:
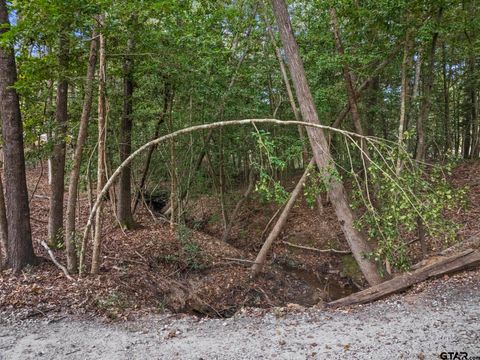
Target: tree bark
[3, 229]
[446, 102]
[124, 201]
[403, 101]
[20, 248]
[174, 198]
[222, 180]
[57, 186]
[348, 76]
[77, 158]
[471, 136]
[426, 99]
[418, 70]
[286, 81]
[101, 161]
[359, 246]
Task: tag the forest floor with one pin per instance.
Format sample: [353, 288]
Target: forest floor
[151, 269]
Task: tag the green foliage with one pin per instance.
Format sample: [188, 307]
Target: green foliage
[270, 189]
[396, 205]
[266, 164]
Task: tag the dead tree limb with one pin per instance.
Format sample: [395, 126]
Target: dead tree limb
[239, 260]
[315, 249]
[57, 264]
[465, 260]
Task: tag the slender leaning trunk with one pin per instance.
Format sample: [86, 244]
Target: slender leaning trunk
[101, 180]
[403, 103]
[359, 246]
[20, 248]
[426, 99]
[77, 158]
[348, 77]
[57, 186]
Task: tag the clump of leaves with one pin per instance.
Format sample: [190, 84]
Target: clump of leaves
[270, 189]
[397, 202]
[267, 163]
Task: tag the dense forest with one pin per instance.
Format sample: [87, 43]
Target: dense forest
[122, 120]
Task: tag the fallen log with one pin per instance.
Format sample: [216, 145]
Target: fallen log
[462, 261]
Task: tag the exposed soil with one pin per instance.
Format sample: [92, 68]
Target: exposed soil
[151, 269]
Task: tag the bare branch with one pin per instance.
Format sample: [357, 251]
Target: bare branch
[315, 249]
[57, 264]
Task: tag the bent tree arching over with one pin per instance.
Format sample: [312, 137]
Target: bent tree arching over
[319, 144]
[101, 194]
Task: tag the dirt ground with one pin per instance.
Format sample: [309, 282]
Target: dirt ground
[434, 317]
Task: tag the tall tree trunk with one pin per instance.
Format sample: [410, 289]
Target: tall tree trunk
[291, 97]
[418, 70]
[456, 118]
[3, 229]
[472, 106]
[446, 103]
[221, 181]
[20, 248]
[426, 99]
[77, 158]
[101, 161]
[57, 187]
[174, 198]
[467, 136]
[124, 203]
[403, 101]
[359, 246]
[346, 109]
[348, 76]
